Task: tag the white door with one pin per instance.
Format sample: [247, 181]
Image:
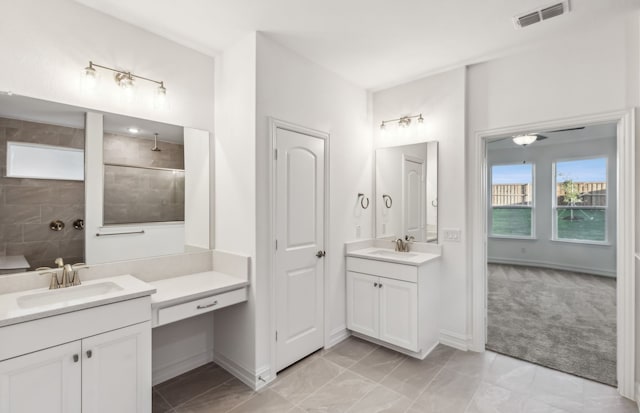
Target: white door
[413, 194]
[363, 303]
[44, 381]
[116, 371]
[399, 313]
[299, 258]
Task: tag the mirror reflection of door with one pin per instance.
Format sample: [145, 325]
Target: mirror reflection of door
[413, 197]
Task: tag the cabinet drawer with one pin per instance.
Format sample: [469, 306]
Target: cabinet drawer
[385, 269]
[203, 305]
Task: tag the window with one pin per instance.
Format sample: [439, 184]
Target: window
[512, 200]
[580, 201]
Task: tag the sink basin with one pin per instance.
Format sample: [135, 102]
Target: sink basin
[63, 295]
[393, 254]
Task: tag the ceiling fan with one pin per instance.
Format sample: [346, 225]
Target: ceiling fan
[529, 138]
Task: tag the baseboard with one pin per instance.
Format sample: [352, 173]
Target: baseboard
[638, 395]
[419, 355]
[338, 335]
[177, 368]
[254, 379]
[543, 264]
[455, 340]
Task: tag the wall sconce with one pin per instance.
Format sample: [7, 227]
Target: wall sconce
[403, 122]
[126, 80]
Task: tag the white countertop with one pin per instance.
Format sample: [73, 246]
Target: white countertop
[176, 290]
[388, 255]
[12, 313]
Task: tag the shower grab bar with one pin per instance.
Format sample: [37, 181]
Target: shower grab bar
[118, 233]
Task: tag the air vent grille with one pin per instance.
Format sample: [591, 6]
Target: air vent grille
[552, 11]
[529, 19]
[544, 13]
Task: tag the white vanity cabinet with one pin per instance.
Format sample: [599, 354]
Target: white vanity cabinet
[95, 360]
[394, 304]
[102, 373]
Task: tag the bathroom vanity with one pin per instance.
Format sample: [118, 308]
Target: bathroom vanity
[77, 349]
[393, 298]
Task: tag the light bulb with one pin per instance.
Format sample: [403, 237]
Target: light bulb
[90, 77]
[161, 96]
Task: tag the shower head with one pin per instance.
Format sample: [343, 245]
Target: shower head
[155, 143]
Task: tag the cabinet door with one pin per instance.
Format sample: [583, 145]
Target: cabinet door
[116, 371]
[362, 303]
[399, 313]
[45, 381]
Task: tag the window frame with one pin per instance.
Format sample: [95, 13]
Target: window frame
[555, 206]
[532, 207]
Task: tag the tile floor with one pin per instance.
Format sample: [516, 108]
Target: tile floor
[356, 376]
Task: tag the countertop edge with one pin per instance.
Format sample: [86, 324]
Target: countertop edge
[355, 254]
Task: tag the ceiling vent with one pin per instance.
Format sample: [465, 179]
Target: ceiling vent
[541, 14]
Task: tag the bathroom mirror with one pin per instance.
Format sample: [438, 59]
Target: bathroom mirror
[406, 183]
[79, 184]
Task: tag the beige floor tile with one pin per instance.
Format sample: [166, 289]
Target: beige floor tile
[602, 398]
[298, 382]
[221, 399]
[471, 363]
[266, 401]
[378, 364]
[339, 394]
[449, 392]
[441, 354]
[559, 389]
[159, 404]
[412, 376]
[349, 352]
[187, 386]
[381, 400]
[490, 398]
[510, 373]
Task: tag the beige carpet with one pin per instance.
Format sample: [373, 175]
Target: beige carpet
[559, 319]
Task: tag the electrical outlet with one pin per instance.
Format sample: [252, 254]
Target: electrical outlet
[452, 235]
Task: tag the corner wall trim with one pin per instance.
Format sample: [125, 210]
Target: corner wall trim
[177, 368]
[338, 335]
[248, 377]
[455, 340]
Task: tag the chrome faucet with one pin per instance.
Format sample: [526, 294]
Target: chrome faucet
[70, 274]
[400, 245]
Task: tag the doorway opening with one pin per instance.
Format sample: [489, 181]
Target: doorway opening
[551, 249]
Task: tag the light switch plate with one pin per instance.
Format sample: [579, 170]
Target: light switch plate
[452, 235]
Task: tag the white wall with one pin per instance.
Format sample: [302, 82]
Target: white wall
[197, 181]
[235, 200]
[542, 251]
[52, 41]
[295, 90]
[48, 43]
[441, 100]
[593, 71]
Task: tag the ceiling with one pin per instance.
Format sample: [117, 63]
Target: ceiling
[372, 43]
[588, 133]
[43, 111]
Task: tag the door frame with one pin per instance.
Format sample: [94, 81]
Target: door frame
[625, 239]
[423, 177]
[274, 125]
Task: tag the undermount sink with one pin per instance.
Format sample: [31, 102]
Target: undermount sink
[63, 295]
[393, 254]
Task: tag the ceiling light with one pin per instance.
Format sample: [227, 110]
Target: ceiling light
[524, 140]
[404, 121]
[134, 130]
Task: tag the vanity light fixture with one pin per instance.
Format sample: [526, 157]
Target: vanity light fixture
[404, 121]
[125, 80]
[524, 140]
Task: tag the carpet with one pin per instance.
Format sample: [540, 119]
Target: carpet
[558, 319]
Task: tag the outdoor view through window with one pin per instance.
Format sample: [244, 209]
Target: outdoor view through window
[512, 200]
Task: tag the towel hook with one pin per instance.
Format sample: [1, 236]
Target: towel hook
[362, 200]
[387, 200]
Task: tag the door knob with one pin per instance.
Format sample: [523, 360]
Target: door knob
[320, 254]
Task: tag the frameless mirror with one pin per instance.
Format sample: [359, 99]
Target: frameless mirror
[406, 196]
[79, 184]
